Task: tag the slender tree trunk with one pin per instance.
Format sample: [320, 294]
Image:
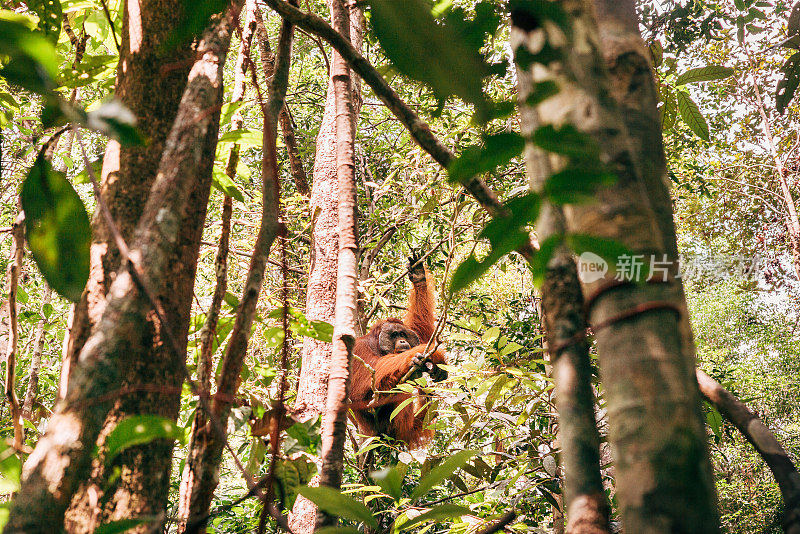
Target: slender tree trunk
[209, 441]
[656, 426]
[322, 276]
[12, 282]
[334, 420]
[296, 168]
[32, 391]
[122, 342]
[208, 333]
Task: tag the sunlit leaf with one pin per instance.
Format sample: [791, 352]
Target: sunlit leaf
[443, 511]
[140, 429]
[390, 479]
[32, 62]
[223, 183]
[10, 469]
[441, 472]
[58, 229]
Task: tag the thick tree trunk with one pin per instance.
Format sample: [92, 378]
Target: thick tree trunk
[150, 81]
[321, 293]
[334, 420]
[656, 426]
[122, 342]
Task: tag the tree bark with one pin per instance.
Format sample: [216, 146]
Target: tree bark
[208, 333]
[12, 282]
[204, 463]
[656, 427]
[122, 342]
[334, 420]
[322, 276]
[32, 391]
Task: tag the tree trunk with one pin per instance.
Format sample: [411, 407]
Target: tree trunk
[656, 426]
[32, 391]
[210, 440]
[208, 333]
[122, 343]
[334, 420]
[12, 281]
[321, 294]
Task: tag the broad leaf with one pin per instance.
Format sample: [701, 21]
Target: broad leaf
[443, 511]
[32, 60]
[576, 184]
[390, 479]
[140, 429]
[691, 115]
[10, 469]
[787, 86]
[115, 120]
[441, 472]
[704, 74]
[223, 183]
[668, 110]
[434, 54]
[333, 502]
[567, 141]
[496, 150]
[50, 14]
[58, 229]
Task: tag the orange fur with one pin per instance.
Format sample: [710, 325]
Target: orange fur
[389, 370]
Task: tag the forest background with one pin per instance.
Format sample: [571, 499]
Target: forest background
[725, 74]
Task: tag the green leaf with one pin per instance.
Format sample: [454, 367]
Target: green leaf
[739, 4]
[576, 184]
[471, 269]
[244, 138]
[115, 120]
[668, 110]
[337, 530]
[400, 407]
[390, 479]
[443, 511]
[5, 511]
[90, 70]
[434, 54]
[542, 257]
[691, 115]
[656, 53]
[49, 12]
[610, 250]
[32, 62]
[57, 229]
[223, 183]
[714, 420]
[567, 141]
[704, 74]
[10, 469]
[197, 16]
[333, 502]
[123, 525]
[787, 86]
[140, 429]
[496, 150]
[441, 472]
